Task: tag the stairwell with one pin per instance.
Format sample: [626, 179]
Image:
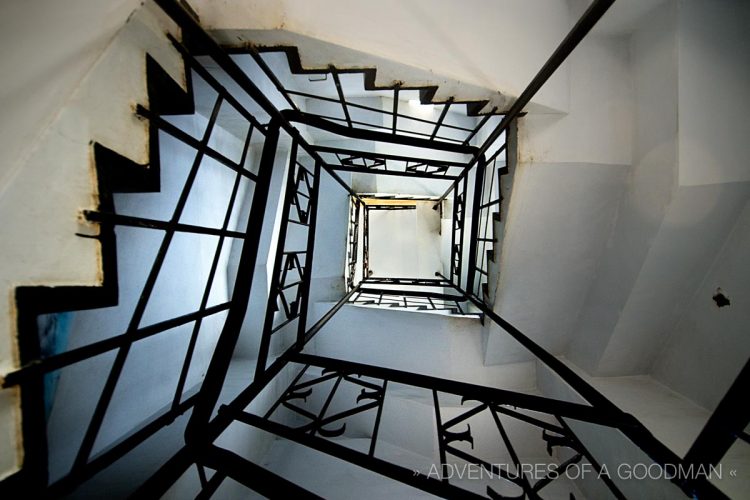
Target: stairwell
[139, 153]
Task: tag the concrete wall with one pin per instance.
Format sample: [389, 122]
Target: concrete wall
[53, 47]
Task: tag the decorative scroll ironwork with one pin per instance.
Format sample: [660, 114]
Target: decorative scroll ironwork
[317, 428]
[290, 285]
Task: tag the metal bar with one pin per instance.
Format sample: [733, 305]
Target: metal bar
[318, 421]
[490, 204]
[378, 415]
[387, 469]
[549, 477]
[503, 149]
[253, 476]
[511, 451]
[304, 292]
[441, 441]
[480, 125]
[395, 106]
[328, 315]
[392, 207]
[728, 420]
[446, 106]
[340, 91]
[371, 135]
[366, 243]
[403, 281]
[219, 364]
[143, 223]
[67, 358]
[108, 390]
[529, 419]
[470, 391]
[454, 222]
[368, 125]
[211, 486]
[413, 293]
[464, 416]
[464, 196]
[274, 292]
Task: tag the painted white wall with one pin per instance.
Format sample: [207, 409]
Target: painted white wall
[145, 387]
[48, 48]
[557, 225]
[712, 341]
[598, 125]
[714, 71]
[422, 343]
[435, 37]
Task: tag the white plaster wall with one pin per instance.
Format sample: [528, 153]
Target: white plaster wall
[39, 237]
[405, 243]
[557, 226]
[421, 343]
[714, 70]
[650, 185]
[598, 125]
[712, 341]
